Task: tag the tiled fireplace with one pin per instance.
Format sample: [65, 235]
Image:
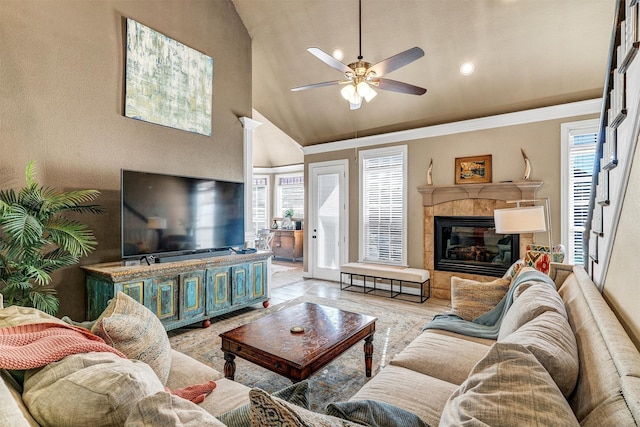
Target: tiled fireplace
[466, 200]
[470, 244]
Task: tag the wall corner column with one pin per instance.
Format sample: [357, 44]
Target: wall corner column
[249, 126]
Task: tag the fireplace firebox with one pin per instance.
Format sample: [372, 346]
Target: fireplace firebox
[470, 244]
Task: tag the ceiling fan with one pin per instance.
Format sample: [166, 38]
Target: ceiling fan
[361, 75]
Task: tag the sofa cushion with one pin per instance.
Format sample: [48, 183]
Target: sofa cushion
[530, 301]
[267, 410]
[297, 394]
[15, 316]
[166, 410]
[419, 394]
[471, 298]
[550, 339]
[88, 389]
[446, 357]
[133, 329]
[12, 412]
[509, 387]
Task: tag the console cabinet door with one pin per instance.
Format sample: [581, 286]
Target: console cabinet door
[241, 287]
[192, 294]
[258, 279]
[218, 289]
[163, 297]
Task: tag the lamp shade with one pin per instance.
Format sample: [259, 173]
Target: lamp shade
[156, 223]
[528, 219]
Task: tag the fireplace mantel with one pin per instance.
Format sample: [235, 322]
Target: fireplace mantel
[515, 190]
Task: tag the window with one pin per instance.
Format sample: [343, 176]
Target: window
[579, 140]
[383, 205]
[260, 203]
[290, 194]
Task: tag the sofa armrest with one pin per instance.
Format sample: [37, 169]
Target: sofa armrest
[559, 272]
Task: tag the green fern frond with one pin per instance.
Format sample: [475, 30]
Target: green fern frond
[44, 299]
[71, 236]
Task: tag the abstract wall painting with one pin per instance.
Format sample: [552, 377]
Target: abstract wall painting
[166, 82]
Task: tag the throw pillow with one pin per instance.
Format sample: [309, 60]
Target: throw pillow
[509, 387]
[133, 329]
[267, 410]
[166, 410]
[535, 299]
[550, 339]
[538, 260]
[297, 394]
[513, 271]
[88, 389]
[470, 298]
[374, 413]
[558, 255]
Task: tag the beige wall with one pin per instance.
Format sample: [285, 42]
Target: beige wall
[61, 70]
[540, 140]
[621, 288]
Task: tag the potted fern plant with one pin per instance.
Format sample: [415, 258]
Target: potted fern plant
[36, 239]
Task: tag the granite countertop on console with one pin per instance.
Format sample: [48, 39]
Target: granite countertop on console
[117, 272]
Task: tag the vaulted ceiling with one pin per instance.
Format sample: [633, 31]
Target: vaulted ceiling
[527, 54]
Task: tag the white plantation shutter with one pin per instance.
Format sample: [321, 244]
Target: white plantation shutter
[290, 193]
[582, 152]
[383, 201]
[259, 204]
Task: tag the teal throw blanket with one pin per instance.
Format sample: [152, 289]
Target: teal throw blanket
[487, 325]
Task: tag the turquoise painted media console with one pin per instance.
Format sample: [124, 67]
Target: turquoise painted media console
[183, 292]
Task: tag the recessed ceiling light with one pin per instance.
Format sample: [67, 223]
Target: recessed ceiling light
[467, 68]
[337, 53]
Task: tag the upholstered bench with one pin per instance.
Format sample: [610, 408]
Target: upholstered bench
[395, 276]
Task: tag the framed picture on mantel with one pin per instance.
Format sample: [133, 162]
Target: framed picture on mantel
[473, 170]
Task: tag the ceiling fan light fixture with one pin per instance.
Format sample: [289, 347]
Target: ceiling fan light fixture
[372, 94]
[348, 91]
[363, 89]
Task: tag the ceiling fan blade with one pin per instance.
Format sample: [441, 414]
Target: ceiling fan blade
[328, 59]
[396, 61]
[396, 86]
[315, 85]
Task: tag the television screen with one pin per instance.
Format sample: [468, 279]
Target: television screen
[173, 215]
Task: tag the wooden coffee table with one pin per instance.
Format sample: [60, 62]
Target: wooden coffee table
[271, 343]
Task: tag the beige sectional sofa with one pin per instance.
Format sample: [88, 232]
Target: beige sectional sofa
[447, 379]
[560, 358]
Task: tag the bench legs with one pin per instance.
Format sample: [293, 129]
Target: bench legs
[425, 287]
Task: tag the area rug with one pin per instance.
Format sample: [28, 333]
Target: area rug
[338, 380]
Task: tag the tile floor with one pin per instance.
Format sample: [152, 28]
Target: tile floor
[291, 284]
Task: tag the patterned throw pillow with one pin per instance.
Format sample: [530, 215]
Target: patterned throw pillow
[538, 260]
[267, 410]
[133, 329]
[470, 298]
[297, 394]
[514, 270]
[558, 255]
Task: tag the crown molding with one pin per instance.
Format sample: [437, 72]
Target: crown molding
[278, 169]
[573, 109]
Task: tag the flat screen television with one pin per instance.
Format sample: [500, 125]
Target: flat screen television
[174, 217]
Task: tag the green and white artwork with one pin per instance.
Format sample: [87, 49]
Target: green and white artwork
[167, 83]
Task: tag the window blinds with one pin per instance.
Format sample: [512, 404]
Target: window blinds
[382, 208]
[582, 151]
